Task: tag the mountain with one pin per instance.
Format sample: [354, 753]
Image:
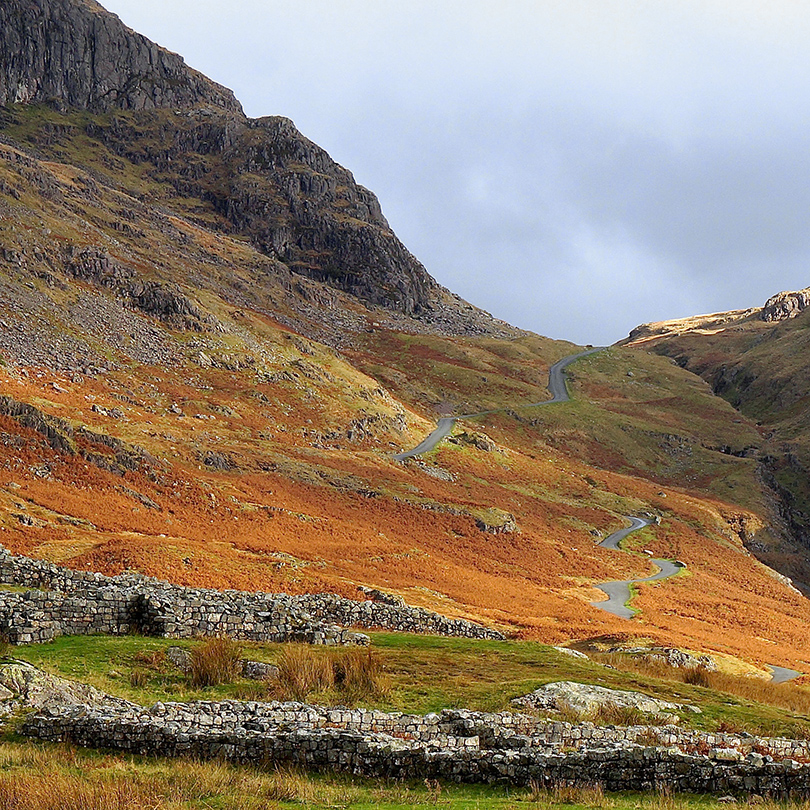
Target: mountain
[256, 178]
[758, 359]
[213, 345]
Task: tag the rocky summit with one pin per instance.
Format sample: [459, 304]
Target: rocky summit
[74, 53]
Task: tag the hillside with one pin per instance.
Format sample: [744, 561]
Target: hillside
[213, 344]
[757, 360]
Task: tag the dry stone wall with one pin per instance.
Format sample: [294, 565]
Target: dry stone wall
[454, 745]
[65, 602]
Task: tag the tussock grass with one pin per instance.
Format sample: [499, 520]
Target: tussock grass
[36, 776]
[590, 796]
[151, 659]
[214, 662]
[114, 784]
[612, 715]
[49, 791]
[354, 674]
[60, 777]
[301, 672]
[138, 678]
[360, 673]
[697, 676]
[662, 799]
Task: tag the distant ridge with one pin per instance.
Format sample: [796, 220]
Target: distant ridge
[780, 307]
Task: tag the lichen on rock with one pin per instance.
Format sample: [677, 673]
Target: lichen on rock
[587, 699]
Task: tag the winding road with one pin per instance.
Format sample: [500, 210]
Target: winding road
[618, 592]
[556, 386]
[782, 674]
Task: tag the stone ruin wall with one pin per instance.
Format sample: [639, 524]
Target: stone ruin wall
[66, 602]
[455, 745]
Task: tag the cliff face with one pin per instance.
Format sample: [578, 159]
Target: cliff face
[77, 53]
[284, 193]
[265, 180]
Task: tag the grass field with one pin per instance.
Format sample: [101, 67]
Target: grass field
[429, 673]
[426, 673]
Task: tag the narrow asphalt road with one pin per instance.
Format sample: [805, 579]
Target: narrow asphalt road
[557, 387]
[618, 592]
[783, 674]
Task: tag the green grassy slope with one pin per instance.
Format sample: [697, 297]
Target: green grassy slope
[763, 370]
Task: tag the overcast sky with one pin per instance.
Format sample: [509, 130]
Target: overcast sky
[576, 167]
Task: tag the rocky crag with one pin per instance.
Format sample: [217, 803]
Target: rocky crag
[264, 180]
[77, 54]
[780, 307]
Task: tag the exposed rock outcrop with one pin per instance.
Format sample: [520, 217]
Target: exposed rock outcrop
[288, 196]
[497, 521]
[76, 53]
[100, 449]
[671, 656]
[478, 440]
[785, 305]
[25, 686]
[158, 299]
[375, 595]
[587, 699]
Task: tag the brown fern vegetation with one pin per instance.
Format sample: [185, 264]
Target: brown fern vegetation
[268, 453]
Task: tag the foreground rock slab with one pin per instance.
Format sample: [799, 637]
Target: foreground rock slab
[24, 686]
[586, 699]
